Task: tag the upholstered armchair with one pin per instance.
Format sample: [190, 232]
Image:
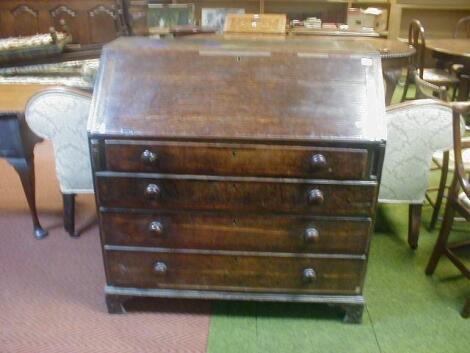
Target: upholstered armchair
[416, 130]
[60, 115]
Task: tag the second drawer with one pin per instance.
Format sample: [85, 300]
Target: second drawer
[237, 194]
[290, 234]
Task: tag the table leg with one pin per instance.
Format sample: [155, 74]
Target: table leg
[441, 64]
[464, 87]
[25, 169]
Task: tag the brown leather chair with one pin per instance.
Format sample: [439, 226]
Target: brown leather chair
[438, 77]
[458, 202]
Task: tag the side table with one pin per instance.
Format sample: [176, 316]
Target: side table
[17, 143]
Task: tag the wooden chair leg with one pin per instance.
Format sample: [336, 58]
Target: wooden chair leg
[466, 309]
[454, 92]
[69, 214]
[414, 222]
[440, 191]
[464, 87]
[441, 242]
[407, 84]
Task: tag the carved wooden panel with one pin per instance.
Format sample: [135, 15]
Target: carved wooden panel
[26, 20]
[102, 26]
[89, 21]
[70, 17]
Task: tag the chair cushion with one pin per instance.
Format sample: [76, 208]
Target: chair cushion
[439, 77]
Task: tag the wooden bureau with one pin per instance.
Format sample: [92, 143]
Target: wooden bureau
[237, 169]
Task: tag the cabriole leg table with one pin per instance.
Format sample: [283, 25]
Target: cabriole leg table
[17, 143]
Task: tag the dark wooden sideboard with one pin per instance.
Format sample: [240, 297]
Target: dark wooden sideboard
[256, 180]
[89, 21]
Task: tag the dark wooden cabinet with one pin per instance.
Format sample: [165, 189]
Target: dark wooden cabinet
[237, 169]
[89, 21]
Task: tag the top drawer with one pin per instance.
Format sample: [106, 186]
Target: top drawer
[236, 159]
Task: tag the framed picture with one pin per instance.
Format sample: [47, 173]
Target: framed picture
[215, 17]
[169, 15]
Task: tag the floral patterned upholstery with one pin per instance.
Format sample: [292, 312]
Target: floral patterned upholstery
[61, 115]
[415, 131]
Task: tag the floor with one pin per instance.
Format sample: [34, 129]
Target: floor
[407, 312]
[51, 294]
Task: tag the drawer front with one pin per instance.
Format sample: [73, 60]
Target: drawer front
[240, 273]
[290, 234]
[236, 160]
[240, 194]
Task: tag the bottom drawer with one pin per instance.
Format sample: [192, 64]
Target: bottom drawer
[235, 272]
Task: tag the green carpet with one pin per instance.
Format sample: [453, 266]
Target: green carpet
[407, 312]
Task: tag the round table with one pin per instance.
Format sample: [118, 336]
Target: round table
[452, 50]
[395, 56]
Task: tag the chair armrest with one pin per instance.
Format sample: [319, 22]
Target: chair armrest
[47, 111]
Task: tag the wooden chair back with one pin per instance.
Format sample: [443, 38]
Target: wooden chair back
[426, 89]
[462, 28]
[459, 108]
[417, 40]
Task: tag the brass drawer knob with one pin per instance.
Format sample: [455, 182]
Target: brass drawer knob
[315, 197]
[160, 267]
[152, 191]
[148, 157]
[156, 227]
[318, 162]
[309, 275]
[311, 235]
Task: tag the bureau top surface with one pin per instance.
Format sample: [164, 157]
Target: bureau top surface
[239, 89]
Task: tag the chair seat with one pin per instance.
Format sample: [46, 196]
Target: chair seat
[439, 77]
[437, 157]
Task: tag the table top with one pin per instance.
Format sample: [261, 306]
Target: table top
[264, 90]
[450, 46]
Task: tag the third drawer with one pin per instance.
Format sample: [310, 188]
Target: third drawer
[237, 194]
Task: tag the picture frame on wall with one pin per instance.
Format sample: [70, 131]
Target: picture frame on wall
[213, 17]
[170, 15]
